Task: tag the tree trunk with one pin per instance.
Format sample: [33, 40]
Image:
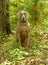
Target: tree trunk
[8, 30]
[5, 17]
[0, 14]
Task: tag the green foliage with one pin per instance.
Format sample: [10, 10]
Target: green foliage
[13, 52]
[37, 10]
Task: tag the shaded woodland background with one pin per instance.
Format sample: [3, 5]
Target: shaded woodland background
[11, 53]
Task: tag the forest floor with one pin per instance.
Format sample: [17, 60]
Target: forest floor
[11, 53]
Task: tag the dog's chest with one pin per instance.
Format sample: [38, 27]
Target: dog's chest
[24, 31]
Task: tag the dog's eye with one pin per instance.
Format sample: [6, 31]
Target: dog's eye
[24, 13]
[21, 13]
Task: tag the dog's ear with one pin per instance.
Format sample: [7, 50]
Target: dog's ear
[27, 14]
[18, 14]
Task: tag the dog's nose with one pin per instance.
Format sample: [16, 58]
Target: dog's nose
[23, 18]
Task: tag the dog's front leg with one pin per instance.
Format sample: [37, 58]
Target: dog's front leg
[18, 38]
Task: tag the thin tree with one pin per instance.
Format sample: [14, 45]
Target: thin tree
[35, 11]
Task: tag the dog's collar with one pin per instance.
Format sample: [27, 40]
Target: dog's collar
[23, 23]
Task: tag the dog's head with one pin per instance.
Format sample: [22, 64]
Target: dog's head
[23, 16]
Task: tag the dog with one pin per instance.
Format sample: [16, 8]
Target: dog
[23, 29]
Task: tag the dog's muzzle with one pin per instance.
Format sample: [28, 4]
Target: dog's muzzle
[23, 20]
